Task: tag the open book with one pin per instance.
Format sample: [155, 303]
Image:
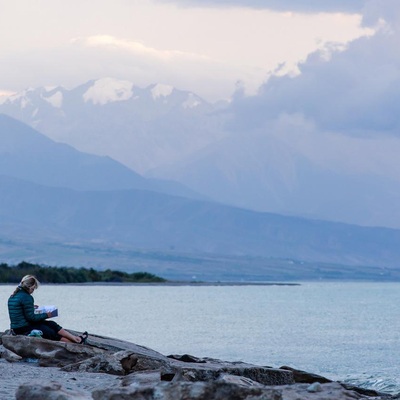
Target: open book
[46, 309]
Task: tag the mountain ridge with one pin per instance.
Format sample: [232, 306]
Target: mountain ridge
[50, 219]
[27, 154]
[149, 220]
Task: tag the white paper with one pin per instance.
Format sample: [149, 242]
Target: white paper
[46, 309]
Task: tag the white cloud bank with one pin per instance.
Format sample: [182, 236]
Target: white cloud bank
[355, 91]
[203, 49]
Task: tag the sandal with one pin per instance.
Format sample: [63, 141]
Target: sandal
[83, 337]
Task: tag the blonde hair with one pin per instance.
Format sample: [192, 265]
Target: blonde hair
[27, 282]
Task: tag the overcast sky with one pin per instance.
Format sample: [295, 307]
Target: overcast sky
[354, 90]
[342, 110]
[206, 46]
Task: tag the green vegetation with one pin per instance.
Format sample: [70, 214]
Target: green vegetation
[46, 274]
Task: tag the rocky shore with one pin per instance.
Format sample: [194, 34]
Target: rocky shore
[110, 369]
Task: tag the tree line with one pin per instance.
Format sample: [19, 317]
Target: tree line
[48, 274]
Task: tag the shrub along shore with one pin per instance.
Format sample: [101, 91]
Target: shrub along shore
[48, 274]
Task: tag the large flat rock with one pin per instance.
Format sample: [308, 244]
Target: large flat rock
[48, 352]
[130, 371]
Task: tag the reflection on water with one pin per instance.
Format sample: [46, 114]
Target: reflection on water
[341, 330]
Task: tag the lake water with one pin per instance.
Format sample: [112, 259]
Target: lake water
[344, 331]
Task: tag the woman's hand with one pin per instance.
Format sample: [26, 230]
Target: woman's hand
[48, 314]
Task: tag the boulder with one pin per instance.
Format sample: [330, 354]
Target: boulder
[265, 376]
[122, 363]
[128, 361]
[212, 369]
[48, 352]
[119, 363]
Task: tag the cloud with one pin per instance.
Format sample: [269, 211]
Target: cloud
[111, 42]
[354, 91]
[303, 6]
[202, 49]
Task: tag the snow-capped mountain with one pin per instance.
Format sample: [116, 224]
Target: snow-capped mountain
[285, 166]
[144, 128]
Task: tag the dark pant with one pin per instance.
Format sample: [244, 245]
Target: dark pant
[50, 329]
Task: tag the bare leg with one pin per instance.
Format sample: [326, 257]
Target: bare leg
[68, 337]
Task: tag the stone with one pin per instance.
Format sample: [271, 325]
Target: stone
[9, 355]
[366, 392]
[239, 380]
[119, 363]
[187, 358]
[300, 376]
[314, 387]
[142, 378]
[48, 391]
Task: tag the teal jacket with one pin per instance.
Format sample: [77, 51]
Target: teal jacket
[22, 311]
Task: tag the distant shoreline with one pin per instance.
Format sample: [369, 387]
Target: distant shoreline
[171, 283]
[183, 283]
[201, 284]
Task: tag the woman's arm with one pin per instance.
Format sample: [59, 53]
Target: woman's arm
[29, 310]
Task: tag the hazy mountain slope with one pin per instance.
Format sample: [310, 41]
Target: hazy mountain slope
[27, 154]
[264, 171]
[143, 219]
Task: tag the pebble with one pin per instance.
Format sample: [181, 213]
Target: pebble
[314, 388]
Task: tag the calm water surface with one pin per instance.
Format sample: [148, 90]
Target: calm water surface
[346, 331]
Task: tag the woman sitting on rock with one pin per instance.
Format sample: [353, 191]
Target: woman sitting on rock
[23, 318]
